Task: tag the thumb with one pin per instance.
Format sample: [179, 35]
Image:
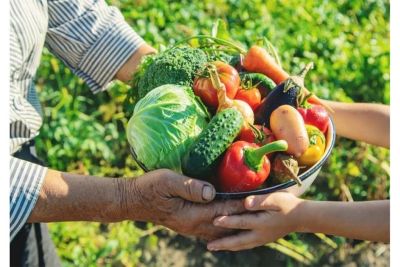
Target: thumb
[261, 202]
[190, 189]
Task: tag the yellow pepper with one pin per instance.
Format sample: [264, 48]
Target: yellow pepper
[316, 148]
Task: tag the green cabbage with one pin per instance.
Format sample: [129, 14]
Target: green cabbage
[164, 124]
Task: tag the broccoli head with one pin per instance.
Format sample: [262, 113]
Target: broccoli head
[174, 66]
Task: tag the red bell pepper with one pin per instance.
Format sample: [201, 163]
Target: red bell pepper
[245, 166]
[315, 115]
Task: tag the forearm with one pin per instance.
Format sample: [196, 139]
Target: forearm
[362, 122]
[72, 197]
[368, 220]
[125, 72]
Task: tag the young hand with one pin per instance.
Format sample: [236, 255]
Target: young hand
[272, 217]
[278, 214]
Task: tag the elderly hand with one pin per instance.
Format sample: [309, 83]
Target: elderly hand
[177, 202]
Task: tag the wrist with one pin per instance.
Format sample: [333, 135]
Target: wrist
[125, 73]
[74, 197]
[129, 199]
[301, 216]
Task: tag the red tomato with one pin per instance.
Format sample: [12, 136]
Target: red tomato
[316, 115]
[251, 96]
[204, 89]
[264, 136]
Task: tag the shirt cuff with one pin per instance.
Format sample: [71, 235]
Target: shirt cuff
[107, 55]
[25, 184]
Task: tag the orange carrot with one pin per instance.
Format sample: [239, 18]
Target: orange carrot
[259, 60]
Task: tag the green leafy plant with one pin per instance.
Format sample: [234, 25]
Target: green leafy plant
[164, 124]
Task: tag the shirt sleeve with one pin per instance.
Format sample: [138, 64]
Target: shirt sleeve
[25, 184]
[91, 38]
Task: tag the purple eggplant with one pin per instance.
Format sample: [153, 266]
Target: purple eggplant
[289, 92]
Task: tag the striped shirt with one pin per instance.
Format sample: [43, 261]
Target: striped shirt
[91, 38]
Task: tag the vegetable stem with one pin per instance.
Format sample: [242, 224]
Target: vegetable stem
[306, 69]
[216, 40]
[254, 157]
[280, 145]
[216, 82]
[259, 135]
[219, 86]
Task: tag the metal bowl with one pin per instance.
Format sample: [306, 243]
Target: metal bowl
[291, 186]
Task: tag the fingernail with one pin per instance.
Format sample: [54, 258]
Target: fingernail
[208, 192]
[250, 201]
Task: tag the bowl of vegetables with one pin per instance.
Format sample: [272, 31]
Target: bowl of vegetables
[211, 110]
[288, 184]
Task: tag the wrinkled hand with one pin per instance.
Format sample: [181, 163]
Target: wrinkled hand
[274, 216]
[179, 203]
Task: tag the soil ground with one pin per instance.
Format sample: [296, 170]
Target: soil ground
[179, 251]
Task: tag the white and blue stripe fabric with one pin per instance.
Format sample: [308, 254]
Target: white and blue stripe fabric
[91, 38]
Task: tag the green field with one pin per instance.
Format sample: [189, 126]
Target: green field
[348, 41]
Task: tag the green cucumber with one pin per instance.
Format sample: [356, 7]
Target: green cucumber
[262, 82]
[203, 155]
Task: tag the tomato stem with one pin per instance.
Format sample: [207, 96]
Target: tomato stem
[258, 134]
[303, 100]
[253, 158]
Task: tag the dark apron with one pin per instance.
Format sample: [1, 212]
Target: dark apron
[32, 246]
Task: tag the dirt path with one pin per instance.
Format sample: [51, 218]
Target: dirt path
[178, 251]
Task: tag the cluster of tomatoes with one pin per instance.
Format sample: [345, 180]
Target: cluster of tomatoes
[229, 76]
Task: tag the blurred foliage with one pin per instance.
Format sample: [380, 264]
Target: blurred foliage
[95, 244]
[347, 40]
